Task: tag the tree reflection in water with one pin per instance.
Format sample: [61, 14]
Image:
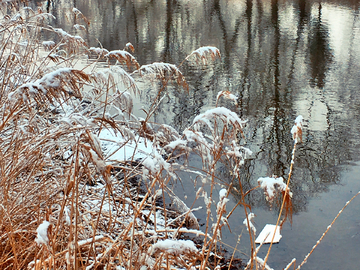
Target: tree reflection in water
[319, 50]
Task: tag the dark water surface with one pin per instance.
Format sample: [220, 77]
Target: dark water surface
[282, 59]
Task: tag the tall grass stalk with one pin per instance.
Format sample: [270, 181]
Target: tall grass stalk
[326, 231]
[284, 201]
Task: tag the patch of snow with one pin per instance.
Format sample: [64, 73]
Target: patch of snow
[174, 246]
[267, 234]
[121, 149]
[42, 237]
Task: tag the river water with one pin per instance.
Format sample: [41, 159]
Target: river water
[282, 58]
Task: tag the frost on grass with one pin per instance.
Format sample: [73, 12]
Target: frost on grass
[239, 152]
[130, 47]
[79, 27]
[155, 163]
[220, 211]
[73, 43]
[98, 51]
[48, 45]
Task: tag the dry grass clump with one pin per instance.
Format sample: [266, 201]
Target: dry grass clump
[83, 180]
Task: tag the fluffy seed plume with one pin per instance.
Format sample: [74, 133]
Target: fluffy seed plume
[123, 57]
[227, 95]
[205, 53]
[164, 72]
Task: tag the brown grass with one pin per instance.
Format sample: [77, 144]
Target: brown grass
[101, 213]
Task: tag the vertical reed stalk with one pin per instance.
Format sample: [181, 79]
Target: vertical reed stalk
[283, 202]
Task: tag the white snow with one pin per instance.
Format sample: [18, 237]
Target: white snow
[225, 114]
[121, 149]
[76, 11]
[90, 240]
[251, 225]
[179, 144]
[299, 120]
[267, 234]
[67, 215]
[174, 246]
[48, 44]
[204, 52]
[228, 95]
[79, 27]
[48, 80]
[270, 184]
[296, 130]
[99, 51]
[222, 193]
[155, 162]
[42, 237]
[261, 262]
[121, 55]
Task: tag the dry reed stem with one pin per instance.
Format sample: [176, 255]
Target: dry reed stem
[327, 230]
[283, 202]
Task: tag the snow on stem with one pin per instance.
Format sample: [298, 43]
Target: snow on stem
[123, 57]
[227, 116]
[296, 130]
[297, 135]
[42, 233]
[271, 184]
[249, 225]
[204, 53]
[227, 95]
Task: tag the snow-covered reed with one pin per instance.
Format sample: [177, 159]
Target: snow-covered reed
[83, 180]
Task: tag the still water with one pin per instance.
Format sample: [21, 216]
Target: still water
[282, 59]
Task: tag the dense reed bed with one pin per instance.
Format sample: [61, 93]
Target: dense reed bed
[85, 182]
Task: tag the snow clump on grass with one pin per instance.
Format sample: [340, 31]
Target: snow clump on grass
[270, 185]
[296, 130]
[250, 225]
[42, 233]
[174, 246]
